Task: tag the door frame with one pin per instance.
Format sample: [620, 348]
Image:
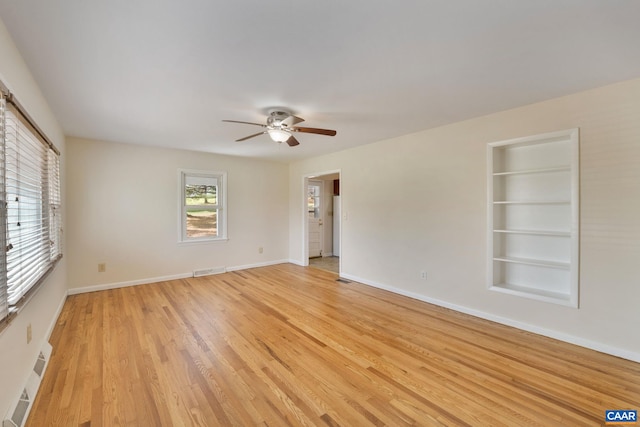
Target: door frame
[305, 224]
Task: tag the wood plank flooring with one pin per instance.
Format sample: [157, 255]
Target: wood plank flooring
[289, 346]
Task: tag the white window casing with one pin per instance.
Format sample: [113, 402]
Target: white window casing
[202, 210]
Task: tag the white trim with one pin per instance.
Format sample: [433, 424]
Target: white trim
[221, 207]
[150, 280]
[54, 321]
[203, 241]
[260, 264]
[305, 224]
[572, 339]
[296, 262]
[210, 271]
[117, 285]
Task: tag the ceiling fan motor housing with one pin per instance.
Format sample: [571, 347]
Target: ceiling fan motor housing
[276, 118]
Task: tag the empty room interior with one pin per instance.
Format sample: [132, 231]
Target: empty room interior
[320, 213]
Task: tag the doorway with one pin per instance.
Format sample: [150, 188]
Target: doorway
[315, 210]
[322, 221]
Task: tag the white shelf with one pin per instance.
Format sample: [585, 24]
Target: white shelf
[531, 171]
[532, 202]
[536, 232]
[538, 294]
[535, 262]
[532, 215]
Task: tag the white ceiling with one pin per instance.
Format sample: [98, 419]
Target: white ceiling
[166, 73]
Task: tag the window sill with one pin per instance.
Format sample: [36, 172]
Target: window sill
[202, 241]
[4, 323]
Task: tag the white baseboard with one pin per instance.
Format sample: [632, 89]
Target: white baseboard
[260, 264]
[47, 336]
[572, 339]
[297, 262]
[117, 285]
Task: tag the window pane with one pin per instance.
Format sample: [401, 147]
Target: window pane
[201, 195]
[313, 200]
[202, 223]
[201, 190]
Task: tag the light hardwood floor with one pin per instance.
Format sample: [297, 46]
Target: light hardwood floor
[286, 345]
[329, 263]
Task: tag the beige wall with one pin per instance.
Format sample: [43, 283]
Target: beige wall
[16, 356]
[418, 202]
[123, 211]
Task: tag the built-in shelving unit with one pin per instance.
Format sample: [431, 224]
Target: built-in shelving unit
[533, 217]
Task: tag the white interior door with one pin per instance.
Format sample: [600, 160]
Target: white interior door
[314, 201]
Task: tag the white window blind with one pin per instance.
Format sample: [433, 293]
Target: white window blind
[55, 204]
[4, 303]
[30, 215]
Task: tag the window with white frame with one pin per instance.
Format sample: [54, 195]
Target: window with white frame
[30, 220]
[202, 206]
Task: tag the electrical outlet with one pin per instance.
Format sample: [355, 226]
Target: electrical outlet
[423, 275]
[102, 267]
[29, 333]
[260, 250]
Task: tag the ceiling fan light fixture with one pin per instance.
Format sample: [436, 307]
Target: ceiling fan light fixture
[279, 135]
[280, 126]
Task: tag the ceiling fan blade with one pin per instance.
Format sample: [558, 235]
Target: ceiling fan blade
[292, 141]
[292, 120]
[246, 123]
[251, 136]
[327, 132]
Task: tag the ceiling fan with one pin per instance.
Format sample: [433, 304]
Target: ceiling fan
[281, 126]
